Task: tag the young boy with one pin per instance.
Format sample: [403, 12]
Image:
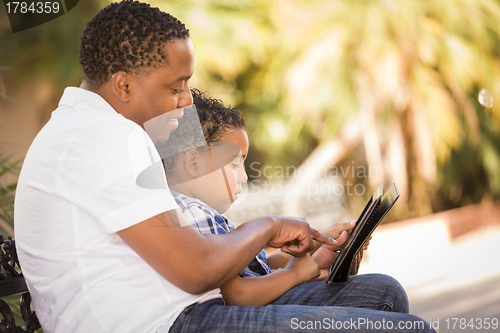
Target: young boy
[205, 171]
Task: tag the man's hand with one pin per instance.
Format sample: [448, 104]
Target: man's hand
[294, 236]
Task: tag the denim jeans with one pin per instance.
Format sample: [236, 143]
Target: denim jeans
[366, 303]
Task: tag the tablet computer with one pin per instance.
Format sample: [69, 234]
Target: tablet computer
[375, 210]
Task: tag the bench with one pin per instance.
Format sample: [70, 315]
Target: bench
[12, 283]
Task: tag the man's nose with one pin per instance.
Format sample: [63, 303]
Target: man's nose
[186, 99]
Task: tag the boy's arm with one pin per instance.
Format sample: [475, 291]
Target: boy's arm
[259, 291]
[278, 260]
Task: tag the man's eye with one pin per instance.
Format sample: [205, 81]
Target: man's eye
[177, 91]
[235, 165]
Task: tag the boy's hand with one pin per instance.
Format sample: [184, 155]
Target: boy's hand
[294, 236]
[365, 246]
[356, 263]
[325, 255]
[305, 267]
[359, 257]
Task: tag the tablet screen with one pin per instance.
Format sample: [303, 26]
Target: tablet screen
[373, 213]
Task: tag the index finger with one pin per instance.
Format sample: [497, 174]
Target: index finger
[319, 237]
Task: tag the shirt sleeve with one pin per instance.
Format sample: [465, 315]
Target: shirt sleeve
[112, 170]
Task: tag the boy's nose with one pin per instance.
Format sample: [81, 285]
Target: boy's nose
[243, 175]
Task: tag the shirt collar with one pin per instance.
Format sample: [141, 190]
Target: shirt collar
[187, 200]
[74, 96]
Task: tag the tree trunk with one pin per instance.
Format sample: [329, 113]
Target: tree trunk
[327, 154]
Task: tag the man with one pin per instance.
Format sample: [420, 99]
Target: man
[102, 253]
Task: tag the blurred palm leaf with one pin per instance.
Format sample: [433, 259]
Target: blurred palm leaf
[229, 36]
[417, 63]
[9, 170]
[310, 74]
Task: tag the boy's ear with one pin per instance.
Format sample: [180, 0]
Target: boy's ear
[192, 163]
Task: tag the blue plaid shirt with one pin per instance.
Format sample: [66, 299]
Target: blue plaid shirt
[207, 220]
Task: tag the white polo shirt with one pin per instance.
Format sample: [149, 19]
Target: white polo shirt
[77, 188]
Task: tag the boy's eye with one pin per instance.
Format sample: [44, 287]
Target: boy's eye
[235, 165]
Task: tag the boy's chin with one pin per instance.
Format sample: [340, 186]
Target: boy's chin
[221, 208]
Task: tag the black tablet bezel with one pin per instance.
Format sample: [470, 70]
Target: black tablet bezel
[373, 213]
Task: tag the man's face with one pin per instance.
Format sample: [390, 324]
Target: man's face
[165, 89]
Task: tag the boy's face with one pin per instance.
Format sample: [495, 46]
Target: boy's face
[219, 189]
[235, 171]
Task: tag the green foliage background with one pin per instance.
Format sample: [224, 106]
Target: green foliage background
[302, 70]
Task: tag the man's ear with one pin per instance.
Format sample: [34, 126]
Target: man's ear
[120, 86]
[192, 163]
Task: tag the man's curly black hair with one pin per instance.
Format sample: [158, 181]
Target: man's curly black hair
[126, 36]
[215, 119]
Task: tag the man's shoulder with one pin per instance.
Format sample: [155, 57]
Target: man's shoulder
[81, 131]
[83, 108]
[85, 128]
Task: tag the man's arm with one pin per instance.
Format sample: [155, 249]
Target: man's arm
[198, 263]
[259, 291]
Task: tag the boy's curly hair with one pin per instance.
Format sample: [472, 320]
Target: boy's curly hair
[126, 36]
[215, 119]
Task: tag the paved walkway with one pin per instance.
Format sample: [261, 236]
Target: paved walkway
[444, 279]
[445, 276]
